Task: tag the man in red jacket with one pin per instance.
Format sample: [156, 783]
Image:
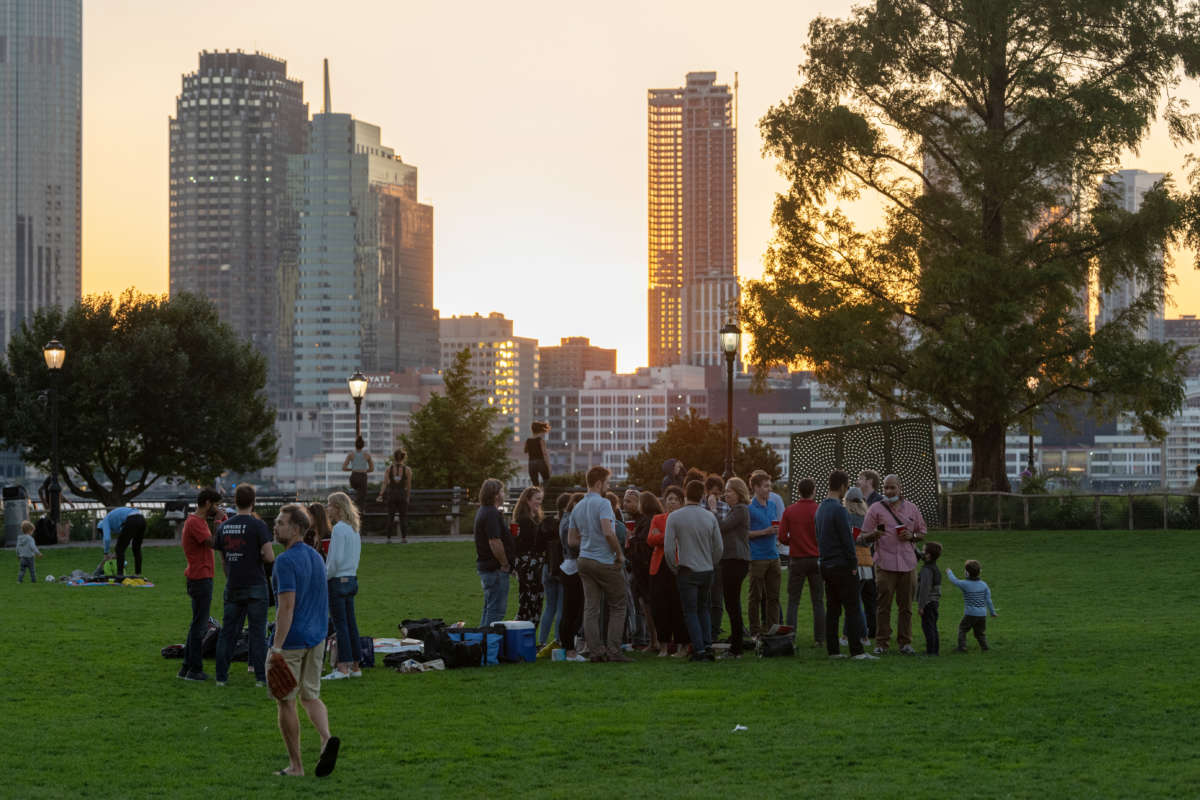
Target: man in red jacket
[798, 531]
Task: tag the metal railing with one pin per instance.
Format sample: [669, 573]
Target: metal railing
[1144, 510]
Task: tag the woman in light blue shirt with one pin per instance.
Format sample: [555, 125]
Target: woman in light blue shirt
[341, 571]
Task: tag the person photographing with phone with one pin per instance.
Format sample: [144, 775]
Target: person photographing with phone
[893, 524]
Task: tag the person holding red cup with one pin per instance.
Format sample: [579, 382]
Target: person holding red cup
[528, 557]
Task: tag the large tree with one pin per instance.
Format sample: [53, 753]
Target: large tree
[700, 442]
[984, 129]
[151, 388]
[453, 441]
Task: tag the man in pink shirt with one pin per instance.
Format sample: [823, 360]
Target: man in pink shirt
[893, 524]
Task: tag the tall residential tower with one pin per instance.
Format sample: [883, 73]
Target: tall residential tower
[692, 213]
[41, 85]
[237, 119]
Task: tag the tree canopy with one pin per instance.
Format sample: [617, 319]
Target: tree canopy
[699, 442]
[151, 388]
[451, 441]
[985, 129]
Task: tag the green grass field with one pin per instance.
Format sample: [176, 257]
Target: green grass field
[1089, 691]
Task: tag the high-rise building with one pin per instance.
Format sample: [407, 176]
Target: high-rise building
[1185, 332]
[563, 366]
[364, 294]
[41, 84]
[237, 119]
[1132, 185]
[692, 213]
[504, 366]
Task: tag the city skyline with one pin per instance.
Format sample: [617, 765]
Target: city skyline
[530, 133]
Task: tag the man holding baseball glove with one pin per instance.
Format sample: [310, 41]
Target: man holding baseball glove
[294, 665]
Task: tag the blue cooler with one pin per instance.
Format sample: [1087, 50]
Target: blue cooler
[520, 643]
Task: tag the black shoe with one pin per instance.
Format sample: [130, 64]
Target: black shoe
[183, 673]
[196, 676]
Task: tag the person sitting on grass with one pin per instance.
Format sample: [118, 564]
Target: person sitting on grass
[977, 604]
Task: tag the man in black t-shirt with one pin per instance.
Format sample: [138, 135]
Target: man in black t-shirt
[494, 552]
[244, 541]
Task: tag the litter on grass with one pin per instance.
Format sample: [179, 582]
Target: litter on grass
[737, 728]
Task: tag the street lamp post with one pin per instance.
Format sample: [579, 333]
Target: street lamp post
[731, 339]
[358, 389]
[54, 354]
[1032, 382]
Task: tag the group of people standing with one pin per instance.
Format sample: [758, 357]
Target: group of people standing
[661, 571]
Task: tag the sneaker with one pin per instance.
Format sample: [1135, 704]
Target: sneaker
[865, 657]
[196, 676]
[907, 650]
[182, 674]
[844, 642]
[259, 684]
[839, 655]
[626, 647]
[865, 642]
[336, 675]
[221, 683]
[356, 673]
[880, 651]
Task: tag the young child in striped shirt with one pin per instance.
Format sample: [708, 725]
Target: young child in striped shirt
[977, 604]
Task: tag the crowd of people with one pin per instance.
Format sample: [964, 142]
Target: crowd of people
[604, 574]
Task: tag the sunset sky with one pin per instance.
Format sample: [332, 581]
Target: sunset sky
[527, 122]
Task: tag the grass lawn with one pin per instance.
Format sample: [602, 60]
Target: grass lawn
[1089, 691]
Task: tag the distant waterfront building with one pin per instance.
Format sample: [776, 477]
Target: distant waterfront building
[364, 293]
[692, 212]
[237, 119]
[1132, 184]
[504, 366]
[1185, 332]
[564, 365]
[41, 79]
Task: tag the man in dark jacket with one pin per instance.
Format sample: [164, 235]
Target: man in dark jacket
[839, 569]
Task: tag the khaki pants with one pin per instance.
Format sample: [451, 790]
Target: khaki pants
[890, 584]
[765, 577]
[603, 587]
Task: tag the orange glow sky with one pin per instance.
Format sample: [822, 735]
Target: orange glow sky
[527, 122]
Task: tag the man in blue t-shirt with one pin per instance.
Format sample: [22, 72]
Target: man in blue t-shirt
[765, 573]
[601, 568]
[244, 542]
[301, 618]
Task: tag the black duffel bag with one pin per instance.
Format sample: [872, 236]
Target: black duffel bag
[772, 646]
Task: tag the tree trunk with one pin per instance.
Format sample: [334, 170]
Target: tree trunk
[988, 468]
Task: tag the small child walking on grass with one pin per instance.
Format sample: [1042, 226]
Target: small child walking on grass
[27, 551]
[977, 604]
[929, 594]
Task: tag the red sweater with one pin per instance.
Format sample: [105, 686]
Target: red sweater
[798, 529]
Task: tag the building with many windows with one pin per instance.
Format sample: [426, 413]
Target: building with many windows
[364, 291]
[1185, 332]
[1131, 186]
[564, 365]
[232, 230]
[41, 80]
[504, 366]
[692, 213]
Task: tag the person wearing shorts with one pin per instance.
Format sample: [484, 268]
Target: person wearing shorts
[300, 625]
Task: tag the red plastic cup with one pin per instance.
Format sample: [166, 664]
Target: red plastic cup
[324, 547]
[629, 526]
[901, 530]
[514, 529]
[775, 524]
[857, 532]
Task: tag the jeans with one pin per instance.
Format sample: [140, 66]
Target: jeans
[799, 571]
[733, 574]
[869, 600]
[27, 564]
[345, 625]
[553, 611]
[603, 589]
[694, 591]
[929, 627]
[201, 593]
[572, 611]
[244, 602]
[841, 592]
[495, 595]
[132, 533]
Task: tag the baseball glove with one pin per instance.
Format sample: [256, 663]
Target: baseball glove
[280, 679]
